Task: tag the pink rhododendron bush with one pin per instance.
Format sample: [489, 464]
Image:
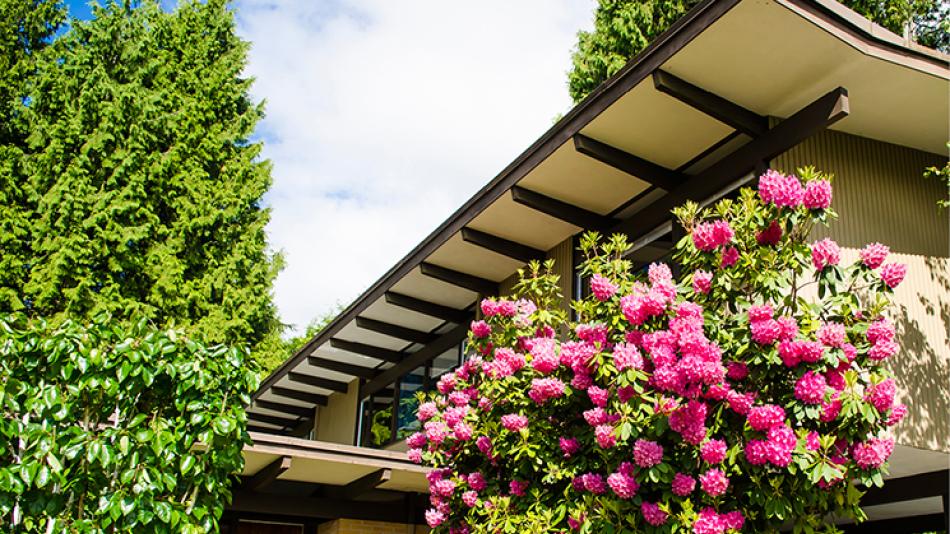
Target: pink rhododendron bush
[746, 394]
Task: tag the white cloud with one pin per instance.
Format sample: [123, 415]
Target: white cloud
[383, 117]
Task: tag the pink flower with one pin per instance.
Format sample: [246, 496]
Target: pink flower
[789, 327]
[436, 432]
[647, 453]
[659, 272]
[604, 434]
[514, 422]
[880, 330]
[683, 484]
[762, 312]
[874, 254]
[480, 329]
[830, 409]
[702, 281]
[463, 432]
[594, 483]
[544, 389]
[737, 370]
[893, 274]
[477, 481]
[518, 487]
[817, 195]
[769, 184]
[756, 452]
[414, 455]
[416, 441]
[897, 413]
[484, 445]
[427, 410]
[598, 396]
[780, 445]
[575, 524]
[770, 236]
[714, 482]
[729, 257]
[595, 416]
[626, 356]
[569, 446]
[741, 403]
[506, 308]
[881, 395]
[765, 332]
[623, 485]
[443, 487]
[872, 453]
[733, 520]
[810, 388]
[602, 288]
[708, 236]
[434, 517]
[764, 417]
[832, 334]
[652, 513]
[708, 522]
[470, 498]
[825, 253]
[713, 451]
[789, 192]
[811, 441]
[489, 308]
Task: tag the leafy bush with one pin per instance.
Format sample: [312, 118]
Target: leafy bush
[114, 428]
[746, 394]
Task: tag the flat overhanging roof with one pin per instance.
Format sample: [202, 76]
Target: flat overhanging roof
[686, 117]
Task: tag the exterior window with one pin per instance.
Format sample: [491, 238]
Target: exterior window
[408, 386]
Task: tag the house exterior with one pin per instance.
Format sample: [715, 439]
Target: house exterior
[734, 87]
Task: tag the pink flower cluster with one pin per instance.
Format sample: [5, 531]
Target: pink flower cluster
[872, 453]
[710, 521]
[770, 236]
[810, 388]
[653, 514]
[514, 422]
[881, 395]
[702, 282]
[824, 253]
[602, 288]
[545, 389]
[627, 356]
[714, 482]
[708, 236]
[893, 274]
[817, 195]
[622, 482]
[683, 484]
[647, 453]
[874, 254]
[880, 335]
[713, 451]
[780, 190]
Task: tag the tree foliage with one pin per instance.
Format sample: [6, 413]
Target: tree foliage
[139, 186]
[746, 394]
[109, 427]
[623, 28]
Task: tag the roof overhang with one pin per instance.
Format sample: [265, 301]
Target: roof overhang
[684, 119]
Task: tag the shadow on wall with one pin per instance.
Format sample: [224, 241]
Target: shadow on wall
[923, 365]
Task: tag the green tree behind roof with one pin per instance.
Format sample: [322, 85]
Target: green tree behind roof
[139, 182]
[623, 28]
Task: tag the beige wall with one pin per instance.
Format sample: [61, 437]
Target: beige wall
[355, 526]
[336, 422]
[880, 195]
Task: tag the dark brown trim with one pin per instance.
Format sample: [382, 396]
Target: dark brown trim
[680, 33]
[304, 396]
[920, 523]
[811, 119]
[317, 382]
[431, 309]
[266, 430]
[363, 349]
[282, 422]
[623, 161]
[394, 330]
[717, 107]
[500, 245]
[569, 213]
[342, 367]
[909, 488]
[421, 357]
[315, 507]
[471, 282]
[300, 411]
[267, 474]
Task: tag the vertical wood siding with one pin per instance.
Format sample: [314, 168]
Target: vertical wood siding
[879, 192]
[880, 195]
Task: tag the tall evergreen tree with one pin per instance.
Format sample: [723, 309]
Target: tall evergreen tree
[622, 28]
[26, 28]
[145, 191]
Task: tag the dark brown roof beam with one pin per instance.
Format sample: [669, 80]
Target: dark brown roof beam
[808, 121]
[300, 411]
[342, 367]
[464, 280]
[317, 382]
[358, 487]
[371, 351]
[419, 358]
[558, 209]
[633, 165]
[500, 245]
[717, 107]
[303, 396]
[393, 330]
[282, 422]
[267, 474]
[267, 430]
[431, 309]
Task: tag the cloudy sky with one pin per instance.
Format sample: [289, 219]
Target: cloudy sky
[383, 117]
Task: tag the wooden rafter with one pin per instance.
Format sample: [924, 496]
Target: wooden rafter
[317, 382]
[371, 351]
[633, 165]
[471, 282]
[312, 398]
[500, 245]
[394, 330]
[559, 209]
[342, 367]
[717, 107]
[431, 309]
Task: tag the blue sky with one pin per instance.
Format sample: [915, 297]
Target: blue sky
[383, 117]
